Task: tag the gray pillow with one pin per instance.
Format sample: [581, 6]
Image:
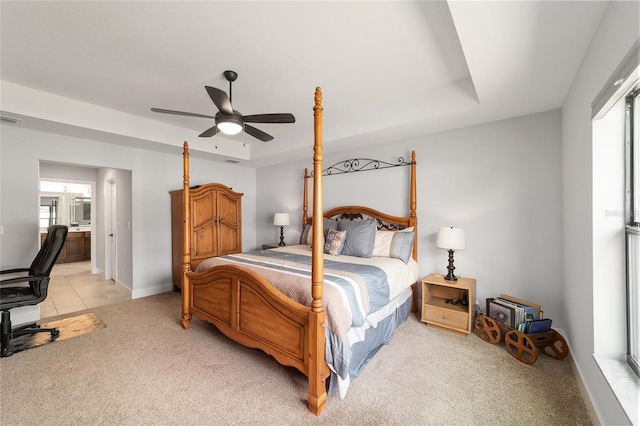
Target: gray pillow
[361, 237]
[329, 224]
[307, 232]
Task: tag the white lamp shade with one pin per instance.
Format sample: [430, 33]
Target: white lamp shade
[451, 238]
[281, 219]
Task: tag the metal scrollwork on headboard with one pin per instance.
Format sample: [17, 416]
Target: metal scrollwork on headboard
[360, 165]
[380, 224]
[352, 216]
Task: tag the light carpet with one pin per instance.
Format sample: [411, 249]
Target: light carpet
[144, 369]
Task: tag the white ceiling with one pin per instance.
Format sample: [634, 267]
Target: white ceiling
[388, 70]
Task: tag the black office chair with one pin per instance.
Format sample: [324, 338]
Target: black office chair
[29, 289]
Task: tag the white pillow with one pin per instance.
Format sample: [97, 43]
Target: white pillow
[397, 244]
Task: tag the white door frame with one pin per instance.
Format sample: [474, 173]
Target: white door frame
[110, 237]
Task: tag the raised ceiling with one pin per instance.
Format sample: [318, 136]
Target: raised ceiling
[388, 70]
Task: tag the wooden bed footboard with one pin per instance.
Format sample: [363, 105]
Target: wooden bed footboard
[251, 311]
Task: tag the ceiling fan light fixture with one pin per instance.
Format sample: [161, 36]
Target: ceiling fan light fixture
[230, 125]
[228, 120]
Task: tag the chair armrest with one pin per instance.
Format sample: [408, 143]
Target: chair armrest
[28, 278]
[13, 271]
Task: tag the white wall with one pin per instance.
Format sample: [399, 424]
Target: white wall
[500, 181]
[616, 33]
[153, 175]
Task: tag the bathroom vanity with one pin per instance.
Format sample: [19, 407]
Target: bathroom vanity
[77, 247]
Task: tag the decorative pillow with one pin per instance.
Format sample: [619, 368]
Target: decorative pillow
[361, 237]
[334, 242]
[307, 233]
[305, 237]
[398, 244]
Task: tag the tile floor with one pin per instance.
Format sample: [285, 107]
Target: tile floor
[73, 288]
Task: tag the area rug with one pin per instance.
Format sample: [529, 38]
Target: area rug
[68, 327]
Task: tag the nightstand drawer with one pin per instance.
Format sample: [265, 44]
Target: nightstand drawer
[446, 317]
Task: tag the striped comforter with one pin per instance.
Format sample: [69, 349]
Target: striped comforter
[354, 288]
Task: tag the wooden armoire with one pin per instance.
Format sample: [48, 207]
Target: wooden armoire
[216, 223]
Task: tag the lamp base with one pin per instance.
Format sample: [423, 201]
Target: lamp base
[450, 276]
[281, 243]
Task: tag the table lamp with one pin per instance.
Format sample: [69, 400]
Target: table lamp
[281, 220]
[450, 238]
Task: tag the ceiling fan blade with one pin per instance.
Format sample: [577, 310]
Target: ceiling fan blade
[270, 118]
[209, 132]
[257, 133]
[189, 114]
[221, 100]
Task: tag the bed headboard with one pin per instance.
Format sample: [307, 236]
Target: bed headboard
[383, 221]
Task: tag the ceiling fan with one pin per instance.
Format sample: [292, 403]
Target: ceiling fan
[230, 121]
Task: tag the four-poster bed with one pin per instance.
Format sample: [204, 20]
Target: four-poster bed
[249, 299]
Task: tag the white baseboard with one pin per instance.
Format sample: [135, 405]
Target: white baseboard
[150, 291]
[591, 410]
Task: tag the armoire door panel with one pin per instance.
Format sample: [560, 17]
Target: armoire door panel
[228, 210]
[228, 240]
[203, 242]
[203, 209]
[216, 225]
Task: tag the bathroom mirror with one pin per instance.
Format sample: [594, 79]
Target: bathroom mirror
[80, 210]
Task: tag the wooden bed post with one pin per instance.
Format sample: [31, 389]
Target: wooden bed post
[186, 247]
[317, 393]
[305, 198]
[413, 205]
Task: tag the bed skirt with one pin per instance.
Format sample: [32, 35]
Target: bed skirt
[367, 340]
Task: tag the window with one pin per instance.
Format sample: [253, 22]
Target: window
[632, 227]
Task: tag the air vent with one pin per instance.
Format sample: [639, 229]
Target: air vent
[8, 119]
[233, 161]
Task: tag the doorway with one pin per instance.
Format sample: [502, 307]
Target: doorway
[71, 203]
[81, 285]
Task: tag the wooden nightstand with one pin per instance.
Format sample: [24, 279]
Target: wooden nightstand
[435, 311]
[270, 246]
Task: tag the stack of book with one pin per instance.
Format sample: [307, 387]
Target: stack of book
[517, 314]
